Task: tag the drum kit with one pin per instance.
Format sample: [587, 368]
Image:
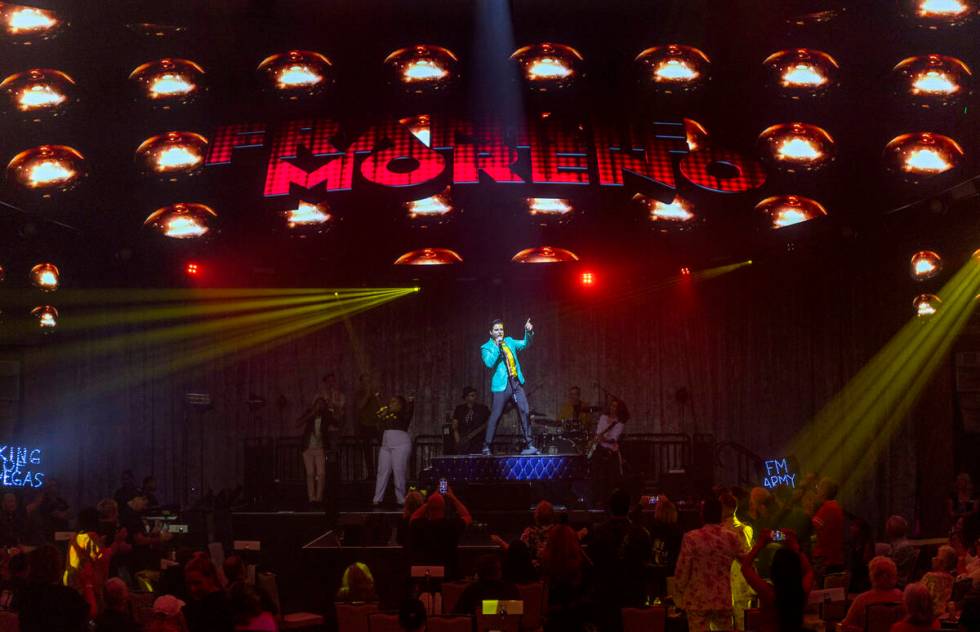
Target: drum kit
[561, 436]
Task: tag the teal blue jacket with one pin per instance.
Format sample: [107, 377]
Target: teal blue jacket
[494, 359]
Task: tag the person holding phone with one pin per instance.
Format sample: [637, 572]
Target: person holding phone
[507, 381]
[782, 602]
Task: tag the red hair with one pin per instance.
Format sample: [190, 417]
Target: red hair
[562, 556]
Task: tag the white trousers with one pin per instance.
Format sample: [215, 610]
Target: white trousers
[314, 460]
[396, 448]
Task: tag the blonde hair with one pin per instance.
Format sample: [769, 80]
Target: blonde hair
[947, 558]
[665, 511]
[882, 572]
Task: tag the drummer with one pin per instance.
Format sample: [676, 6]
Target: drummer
[576, 410]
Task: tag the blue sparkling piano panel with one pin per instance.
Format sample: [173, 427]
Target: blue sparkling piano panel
[509, 468]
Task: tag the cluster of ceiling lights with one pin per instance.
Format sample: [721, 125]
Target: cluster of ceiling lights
[45, 277]
[445, 256]
[923, 266]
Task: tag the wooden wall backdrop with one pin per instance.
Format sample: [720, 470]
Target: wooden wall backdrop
[760, 350]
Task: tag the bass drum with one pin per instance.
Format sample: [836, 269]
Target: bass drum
[554, 445]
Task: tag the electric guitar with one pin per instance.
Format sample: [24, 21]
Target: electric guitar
[482, 428]
[597, 439]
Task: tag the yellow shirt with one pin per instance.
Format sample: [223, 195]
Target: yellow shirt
[509, 360]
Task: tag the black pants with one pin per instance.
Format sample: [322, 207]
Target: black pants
[366, 435]
[605, 475]
[513, 391]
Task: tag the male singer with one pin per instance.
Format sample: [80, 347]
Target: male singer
[507, 381]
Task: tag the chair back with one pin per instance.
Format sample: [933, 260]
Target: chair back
[753, 619]
[837, 580]
[267, 582]
[9, 622]
[449, 624]
[879, 617]
[380, 622]
[451, 592]
[354, 617]
[652, 619]
[498, 623]
[533, 596]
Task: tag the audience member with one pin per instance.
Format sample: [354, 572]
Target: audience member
[413, 500]
[939, 581]
[247, 610]
[518, 567]
[742, 593]
[665, 543]
[52, 510]
[117, 616]
[489, 584]
[434, 535]
[860, 549]
[962, 503]
[235, 571]
[918, 608]
[167, 615]
[208, 610]
[145, 543]
[87, 567]
[703, 575]
[127, 488]
[828, 527]
[902, 552]
[13, 524]
[884, 577]
[149, 491]
[969, 606]
[756, 514]
[781, 603]
[357, 584]
[620, 551]
[536, 536]
[46, 604]
[563, 567]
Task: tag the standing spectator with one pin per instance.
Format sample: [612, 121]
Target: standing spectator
[563, 567]
[620, 552]
[149, 491]
[13, 525]
[127, 488]
[884, 576]
[781, 602]
[247, 610]
[828, 526]
[703, 574]
[46, 605]
[435, 535]
[53, 510]
[489, 584]
[117, 616]
[665, 543]
[145, 542]
[902, 552]
[961, 505]
[536, 536]
[413, 500]
[860, 550]
[209, 609]
[742, 592]
[756, 514]
[939, 581]
[918, 607]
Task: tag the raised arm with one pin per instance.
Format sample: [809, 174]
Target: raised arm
[461, 510]
[528, 336]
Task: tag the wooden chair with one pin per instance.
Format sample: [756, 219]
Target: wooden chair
[355, 617]
[879, 617]
[380, 622]
[9, 622]
[451, 592]
[449, 624]
[535, 598]
[652, 619]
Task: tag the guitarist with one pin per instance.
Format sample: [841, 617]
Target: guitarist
[607, 462]
[468, 422]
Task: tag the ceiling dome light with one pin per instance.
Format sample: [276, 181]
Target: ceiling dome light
[549, 211]
[168, 81]
[925, 305]
[548, 66]
[787, 210]
[45, 276]
[295, 74]
[674, 67]
[433, 208]
[695, 134]
[47, 168]
[38, 91]
[26, 24]
[184, 220]
[938, 13]
[46, 316]
[933, 79]
[678, 214]
[309, 217]
[801, 72]
[796, 146]
[422, 68]
[820, 16]
[544, 254]
[919, 155]
[172, 154]
[429, 257]
[925, 264]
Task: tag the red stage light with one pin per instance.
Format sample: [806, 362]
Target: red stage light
[47, 168]
[192, 269]
[38, 91]
[429, 257]
[296, 74]
[168, 82]
[422, 68]
[674, 67]
[587, 279]
[184, 220]
[800, 72]
[796, 147]
[548, 66]
[685, 271]
[545, 254]
[919, 155]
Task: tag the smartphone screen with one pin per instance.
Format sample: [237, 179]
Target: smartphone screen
[778, 536]
[443, 486]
